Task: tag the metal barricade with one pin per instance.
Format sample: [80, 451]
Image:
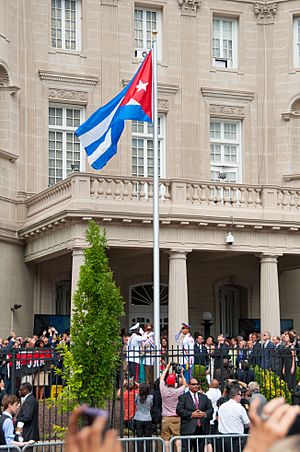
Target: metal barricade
[10, 448]
[50, 446]
[212, 443]
[145, 444]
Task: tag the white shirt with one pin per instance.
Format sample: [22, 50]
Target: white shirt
[214, 394]
[186, 342]
[149, 347]
[232, 418]
[134, 347]
[8, 428]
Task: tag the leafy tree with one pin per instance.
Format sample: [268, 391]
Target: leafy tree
[93, 357]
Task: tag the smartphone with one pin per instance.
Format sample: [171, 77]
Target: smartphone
[89, 414]
[262, 403]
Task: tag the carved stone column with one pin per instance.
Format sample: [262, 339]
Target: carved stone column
[178, 293]
[265, 12]
[77, 261]
[269, 295]
[189, 86]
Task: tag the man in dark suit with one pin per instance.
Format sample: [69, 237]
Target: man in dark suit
[200, 351]
[279, 351]
[195, 411]
[255, 358]
[267, 351]
[221, 359]
[28, 416]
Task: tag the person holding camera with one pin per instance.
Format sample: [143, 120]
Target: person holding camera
[170, 391]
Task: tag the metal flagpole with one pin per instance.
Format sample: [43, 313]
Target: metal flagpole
[156, 266]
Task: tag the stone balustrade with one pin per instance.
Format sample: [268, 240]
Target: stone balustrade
[173, 192]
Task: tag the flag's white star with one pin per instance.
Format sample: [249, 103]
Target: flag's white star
[141, 86]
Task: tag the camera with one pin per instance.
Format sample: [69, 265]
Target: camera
[176, 368]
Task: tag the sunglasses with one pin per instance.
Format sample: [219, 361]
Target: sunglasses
[194, 384]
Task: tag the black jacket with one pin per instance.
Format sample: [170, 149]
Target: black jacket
[221, 354]
[255, 354]
[185, 408]
[200, 355]
[29, 415]
[278, 359]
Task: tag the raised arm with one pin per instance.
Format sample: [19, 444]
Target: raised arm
[163, 375]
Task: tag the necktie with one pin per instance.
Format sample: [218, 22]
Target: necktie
[197, 407]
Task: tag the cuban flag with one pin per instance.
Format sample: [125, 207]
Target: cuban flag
[100, 133]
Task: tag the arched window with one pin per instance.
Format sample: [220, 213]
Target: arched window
[141, 304]
[143, 294]
[4, 77]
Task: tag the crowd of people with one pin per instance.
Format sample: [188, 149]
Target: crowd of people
[222, 357]
[181, 408]
[175, 404]
[19, 419]
[268, 431]
[33, 360]
[178, 404]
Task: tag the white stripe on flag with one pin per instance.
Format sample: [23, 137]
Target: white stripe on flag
[99, 130]
[101, 148]
[133, 102]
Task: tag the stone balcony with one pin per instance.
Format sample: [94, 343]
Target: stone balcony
[185, 202]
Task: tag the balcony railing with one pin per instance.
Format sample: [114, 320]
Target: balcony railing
[84, 189]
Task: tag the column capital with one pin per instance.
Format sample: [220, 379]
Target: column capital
[268, 257]
[77, 248]
[176, 253]
[77, 251]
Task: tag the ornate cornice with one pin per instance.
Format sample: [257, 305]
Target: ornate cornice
[189, 7]
[227, 94]
[68, 78]
[78, 97]
[265, 10]
[12, 89]
[228, 111]
[291, 177]
[294, 111]
[162, 105]
[109, 2]
[167, 89]
[290, 115]
[8, 155]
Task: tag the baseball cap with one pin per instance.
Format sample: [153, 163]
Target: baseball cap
[171, 380]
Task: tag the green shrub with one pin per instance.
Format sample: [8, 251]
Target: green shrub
[200, 373]
[91, 363]
[272, 386]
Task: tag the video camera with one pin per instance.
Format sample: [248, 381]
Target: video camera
[177, 368]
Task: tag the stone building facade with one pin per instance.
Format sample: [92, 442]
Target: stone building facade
[229, 134]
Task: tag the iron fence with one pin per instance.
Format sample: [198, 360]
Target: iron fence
[38, 366]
